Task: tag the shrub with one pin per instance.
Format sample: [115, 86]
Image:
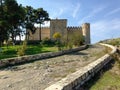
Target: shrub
[33, 42]
[114, 42]
[116, 57]
[70, 45]
[47, 42]
[76, 39]
[21, 50]
[57, 37]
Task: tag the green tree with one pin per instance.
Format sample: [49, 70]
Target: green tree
[29, 21]
[41, 15]
[76, 39]
[11, 17]
[15, 16]
[3, 23]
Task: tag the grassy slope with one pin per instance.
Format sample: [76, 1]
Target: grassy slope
[11, 51]
[110, 78]
[108, 81]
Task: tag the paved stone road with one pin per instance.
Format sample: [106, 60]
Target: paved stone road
[40, 74]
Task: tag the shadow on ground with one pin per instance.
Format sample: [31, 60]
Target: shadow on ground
[94, 79]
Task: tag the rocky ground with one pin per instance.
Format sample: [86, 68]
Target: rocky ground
[40, 74]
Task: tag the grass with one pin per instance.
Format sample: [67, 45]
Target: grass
[109, 80]
[38, 49]
[11, 51]
[109, 77]
[113, 42]
[105, 80]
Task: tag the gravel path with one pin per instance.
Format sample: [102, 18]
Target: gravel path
[40, 74]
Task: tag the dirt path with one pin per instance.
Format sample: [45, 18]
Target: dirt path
[40, 74]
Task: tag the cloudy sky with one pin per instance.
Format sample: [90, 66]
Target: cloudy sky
[103, 15]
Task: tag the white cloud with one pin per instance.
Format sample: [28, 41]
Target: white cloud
[91, 14]
[46, 24]
[113, 12]
[57, 13]
[76, 10]
[105, 29]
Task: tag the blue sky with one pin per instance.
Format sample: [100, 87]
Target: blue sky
[103, 15]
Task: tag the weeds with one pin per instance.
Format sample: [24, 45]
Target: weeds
[116, 57]
[21, 50]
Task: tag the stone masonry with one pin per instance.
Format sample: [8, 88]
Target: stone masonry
[60, 25]
[75, 80]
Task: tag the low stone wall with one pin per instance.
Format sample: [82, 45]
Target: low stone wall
[75, 80]
[29, 58]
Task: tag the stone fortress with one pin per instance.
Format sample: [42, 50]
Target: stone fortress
[60, 25]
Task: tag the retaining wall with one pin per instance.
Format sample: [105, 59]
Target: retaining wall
[75, 80]
[29, 58]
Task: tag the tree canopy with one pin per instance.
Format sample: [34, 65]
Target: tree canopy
[40, 16]
[15, 17]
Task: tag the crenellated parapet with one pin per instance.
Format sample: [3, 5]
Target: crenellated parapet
[71, 28]
[74, 30]
[60, 25]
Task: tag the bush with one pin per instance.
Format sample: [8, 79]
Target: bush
[76, 39]
[114, 42]
[57, 37]
[70, 45]
[47, 42]
[21, 50]
[33, 42]
[116, 57]
[18, 42]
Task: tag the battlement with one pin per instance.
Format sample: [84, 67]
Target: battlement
[58, 19]
[60, 25]
[86, 32]
[86, 24]
[74, 28]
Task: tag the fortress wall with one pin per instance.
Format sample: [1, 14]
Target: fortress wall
[75, 80]
[34, 36]
[45, 32]
[58, 25]
[86, 32]
[76, 30]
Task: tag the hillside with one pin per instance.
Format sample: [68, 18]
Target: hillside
[109, 77]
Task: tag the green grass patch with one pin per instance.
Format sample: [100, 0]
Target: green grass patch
[107, 79]
[11, 51]
[107, 82]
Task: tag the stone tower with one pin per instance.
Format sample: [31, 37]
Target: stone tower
[58, 25]
[86, 32]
